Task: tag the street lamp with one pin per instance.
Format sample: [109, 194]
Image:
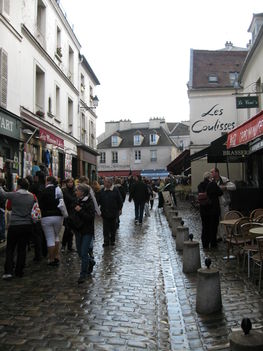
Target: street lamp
[95, 103]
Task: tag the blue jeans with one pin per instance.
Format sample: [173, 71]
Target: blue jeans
[2, 225]
[139, 209]
[84, 243]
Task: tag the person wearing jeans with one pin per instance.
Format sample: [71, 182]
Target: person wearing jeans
[81, 220]
[139, 194]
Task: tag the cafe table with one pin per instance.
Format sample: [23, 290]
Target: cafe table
[229, 225]
[257, 231]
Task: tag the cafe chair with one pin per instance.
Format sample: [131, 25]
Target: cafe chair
[258, 219]
[233, 214]
[258, 260]
[256, 213]
[235, 239]
[250, 247]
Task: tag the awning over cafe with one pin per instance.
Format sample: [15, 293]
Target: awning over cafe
[217, 152]
[180, 164]
[246, 132]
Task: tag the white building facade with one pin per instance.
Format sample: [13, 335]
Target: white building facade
[41, 74]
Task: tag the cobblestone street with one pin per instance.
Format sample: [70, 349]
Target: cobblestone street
[137, 298]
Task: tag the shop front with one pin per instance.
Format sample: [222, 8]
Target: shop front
[249, 194]
[10, 159]
[87, 162]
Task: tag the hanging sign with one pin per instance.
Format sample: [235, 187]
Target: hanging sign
[247, 102]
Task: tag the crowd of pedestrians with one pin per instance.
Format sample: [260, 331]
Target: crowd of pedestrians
[81, 202]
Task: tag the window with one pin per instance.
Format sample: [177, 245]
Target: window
[153, 139]
[137, 139]
[40, 92]
[114, 157]
[83, 128]
[59, 48]
[3, 78]
[50, 105]
[212, 78]
[114, 140]
[70, 116]
[57, 102]
[70, 64]
[137, 156]
[153, 155]
[103, 157]
[82, 84]
[41, 23]
[181, 146]
[5, 7]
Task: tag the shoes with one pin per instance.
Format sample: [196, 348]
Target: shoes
[63, 249]
[70, 249]
[105, 244]
[2, 241]
[91, 266]
[54, 263]
[136, 221]
[7, 276]
[81, 280]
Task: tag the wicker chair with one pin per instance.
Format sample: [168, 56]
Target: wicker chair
[236, 237]
[256, 213]
[258, 260]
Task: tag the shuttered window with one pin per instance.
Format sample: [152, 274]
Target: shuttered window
[3, 78]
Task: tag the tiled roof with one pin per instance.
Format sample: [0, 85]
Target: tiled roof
[219, 63]
[128, 141]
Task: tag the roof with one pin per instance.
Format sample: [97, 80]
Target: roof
[219, 63]
[180, 129]
[128, 141]
[89, 69]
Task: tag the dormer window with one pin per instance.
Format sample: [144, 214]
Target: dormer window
[154, 138]
[137, 139]
[114, 140]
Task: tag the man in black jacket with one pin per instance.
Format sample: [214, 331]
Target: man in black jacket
[110, 202]
[139, 194]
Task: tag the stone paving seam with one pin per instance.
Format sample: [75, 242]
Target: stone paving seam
[178, 276]
[178, 335]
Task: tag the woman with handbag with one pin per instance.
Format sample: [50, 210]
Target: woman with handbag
[81, 220]
[52, 218]
[20, 228]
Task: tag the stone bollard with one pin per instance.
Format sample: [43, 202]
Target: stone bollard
[191, 256]
[182, 234]
[171, 213]
[208, 294]
[246, 340]
[176, 222]
[166, 208]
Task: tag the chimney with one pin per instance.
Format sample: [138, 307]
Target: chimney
[228, 45]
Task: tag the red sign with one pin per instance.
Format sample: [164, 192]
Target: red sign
[50, 138]
[248, 131]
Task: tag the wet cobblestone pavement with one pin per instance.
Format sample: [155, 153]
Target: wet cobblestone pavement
[137, 298]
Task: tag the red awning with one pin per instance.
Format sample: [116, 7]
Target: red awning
[50, 138]
[117, 173]
[246, 132]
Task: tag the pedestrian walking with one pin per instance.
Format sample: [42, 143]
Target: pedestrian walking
[118, 184]
[81, 220]
[110, 202]
[69, 196]
[52, 218]
[20, 228]
[139, 194]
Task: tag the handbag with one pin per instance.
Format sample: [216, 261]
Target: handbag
[35, 212]
[203, 199]
[62, 207]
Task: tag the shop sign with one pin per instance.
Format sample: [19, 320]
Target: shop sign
[246, 132]
[50, 138]
[9, 126]
[247, 102]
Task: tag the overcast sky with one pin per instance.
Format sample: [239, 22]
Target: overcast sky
[140, 49]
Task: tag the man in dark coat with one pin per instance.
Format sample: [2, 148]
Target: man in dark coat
[139, 194]
[110, 202]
